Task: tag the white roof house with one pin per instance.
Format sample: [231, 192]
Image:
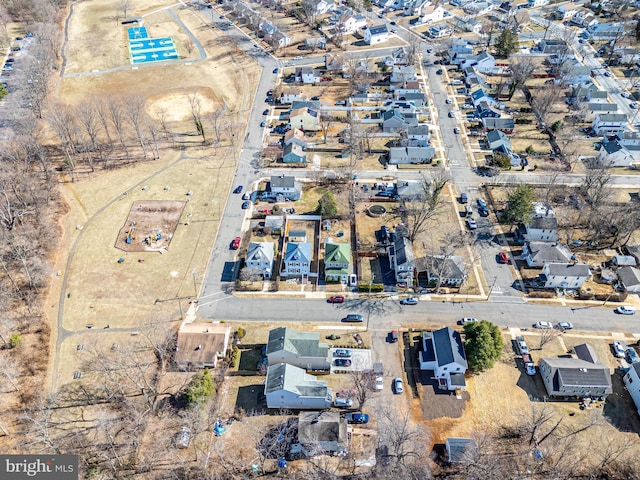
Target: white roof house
[376, 34]
[260, 256]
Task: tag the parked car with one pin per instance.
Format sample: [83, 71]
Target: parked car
[625, 94]
[439, 71]
[466, 320]
[631, 355]
[529, 366]
[471, 223]
[618, 349]
[245, 204]
[235, 244]
[297, 57]
[463, 198]
[266, 111]
[503, 258]
[456, 130]
[246, 196]
[448, 101]
[336, 299]
[341, 102]
[543, 325]
[633, 105]
[521, 346]
[392, 336]
[625, 310]
[315, 98]
[353, 318]
[275, 70]
[409, 301]
[342, 362]
[358, 418]
[343, 403]
[238, 189]
[451, 115]
[379, 383]
[565, 325]
[398, 387]
[607, 73]
[263, 123]
[342, 352]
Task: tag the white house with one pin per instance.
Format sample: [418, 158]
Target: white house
[613, 153]
[564, 275]
[376, 34]
[432, 14]
[307, 75]
[609, 123]
[606, 31]
[408, 155]
[537, 254]
[567, 10]
[403, 73]
[543, 226]
[486, 63]
[443, 352]
[300, 349]
[632, 382]
[289, 95]
[402, 259]
[288, 386]
[439, 31]
[321, 7]
[629, 279]
[297, 259]
[537, 3]
[260, 257]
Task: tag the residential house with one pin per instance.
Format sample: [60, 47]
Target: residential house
[543, 226]
[486, 64]
[305, 119]
[300, 349]
[573, 72]
[287, 386]
[628, 55]
[606, 31]
[478, 8]
[479, 95]
[295, 136]
[460, 51]
[402, 259]
[260, 256]
[316, 42]
[497, 140]
[595, 108]
[622, 261]
[396, 121]
[376, 34]
[408, 155]
[403, 73]
[283, 187]
[631, 381]
[312, 104]
[349, 23]
[297, 259]
[614, 153]
[273, 224]
[460, 450]
[564, 275]
[553, 46]
[537, 3]
[293, 153]
[486, 110]
[307, 75]
[609, 123]
[320, 7]
[537, 254]
[337, 257]
[441, 270]
[410, 190]
[629, 279]
[504, 124]
[567, 10]
[571, 377]
[583, 17]
[432, 14]
[419, 133]
[439, 31]
[321, 433]
[333, 62]
[280, 38]
[443, 352]
[289, 94]
[201, 344]
[297, 236]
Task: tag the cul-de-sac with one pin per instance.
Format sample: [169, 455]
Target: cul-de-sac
[319, 239]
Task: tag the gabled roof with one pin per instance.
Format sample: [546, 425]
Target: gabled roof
[298, 252]
[403, 250]
[460, 448]
[629, 276]
[378, 29]
[282, 181]
[546, 252]
[569, 269]
[312, 104]
[293, 148]
[478, 94]
[578, 373]
[260, 252]
[294, 133]
[448, 347]
[543, 223]
[585, 352]
[201, 342]
[612, 146]
[612, 117]
[274, 221]
[304, 344]
[337, 253]
[495, 135]
[453, 268]
[295, 380]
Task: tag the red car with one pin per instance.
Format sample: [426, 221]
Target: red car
[503, 258]
[336, 299]
[236, 243]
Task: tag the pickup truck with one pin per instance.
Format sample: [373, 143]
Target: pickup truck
[528, 364]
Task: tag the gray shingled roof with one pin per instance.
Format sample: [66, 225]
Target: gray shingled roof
[404, 250]
[578, 373]
[545, 252]
[448, 346]
[544, 223]
[294, 379]
[283, 181]
[629, 276]
[569, 269]
[378, 29]
[305, 344]
[585, 352]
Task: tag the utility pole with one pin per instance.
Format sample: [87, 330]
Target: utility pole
[495, 279]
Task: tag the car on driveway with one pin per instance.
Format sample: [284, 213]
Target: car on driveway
[543, 325]
[464, 198]
[465, 320]
[618, 349]
[238, 189]
[631, 355]
[625, 310]
[342, 352]
[336, 299]
[342, 362]
[471, 223]
[503, 257]
[565, 325]
[343, 403]
[409, 301]
[633, 105]
[392, 23]
[358, 418]
[245, 204]
[398, 386]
